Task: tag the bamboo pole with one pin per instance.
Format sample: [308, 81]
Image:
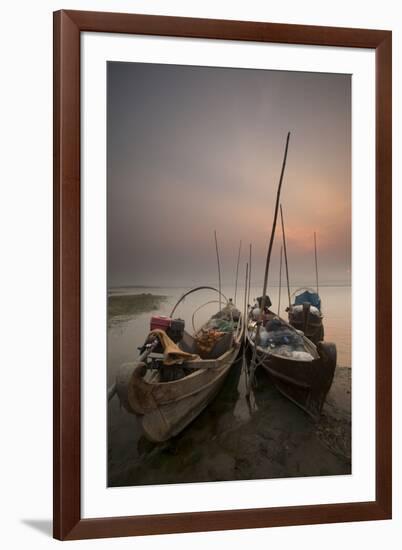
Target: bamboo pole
[245, 302]
[268, 260]
[249, 274]
[237, 271]
[219, 271]
[286, 256]
[316, 263]
[271, 241]
[280, 282]
[245, 322]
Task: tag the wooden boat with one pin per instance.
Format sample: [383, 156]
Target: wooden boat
[301, 370]
[167, 395]
[304, 311]
[305, 314]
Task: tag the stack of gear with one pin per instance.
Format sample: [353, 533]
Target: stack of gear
[282, 340]
[222, 325]
[174, 328]
[279, 334]
[206, 340]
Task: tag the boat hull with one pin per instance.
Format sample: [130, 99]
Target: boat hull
[306, 383]
[312, 327]
[166, 408]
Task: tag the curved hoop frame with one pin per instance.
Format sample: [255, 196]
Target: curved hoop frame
[200, 307]
[196, 289]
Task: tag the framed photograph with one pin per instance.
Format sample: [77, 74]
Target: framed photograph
[222, 275]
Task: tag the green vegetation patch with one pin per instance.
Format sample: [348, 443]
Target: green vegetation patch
[122, 307]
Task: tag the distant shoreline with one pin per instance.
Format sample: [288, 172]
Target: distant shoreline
[113, 289]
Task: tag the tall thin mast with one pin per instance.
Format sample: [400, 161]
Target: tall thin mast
[286, 255]
[237, 272]
[280, 282]
[271, 241]
[245, 302]
[253, 365]
[219, 271]
[316, 263]
[249, 275]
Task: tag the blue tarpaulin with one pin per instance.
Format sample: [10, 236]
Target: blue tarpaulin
[309, 297]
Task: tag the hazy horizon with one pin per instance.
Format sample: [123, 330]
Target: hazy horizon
[231, 284]
[194, 149]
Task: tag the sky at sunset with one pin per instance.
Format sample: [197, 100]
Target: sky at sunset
[193, 149]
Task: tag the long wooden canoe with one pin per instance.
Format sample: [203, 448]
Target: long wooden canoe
[167, 407]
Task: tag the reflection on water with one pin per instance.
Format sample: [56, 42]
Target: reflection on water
[234, 438]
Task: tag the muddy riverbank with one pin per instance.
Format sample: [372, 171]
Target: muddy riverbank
[234, 439]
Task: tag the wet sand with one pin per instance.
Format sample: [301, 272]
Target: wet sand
[236, 439]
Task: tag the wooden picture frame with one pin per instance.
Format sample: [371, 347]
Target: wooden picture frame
[68, 26]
